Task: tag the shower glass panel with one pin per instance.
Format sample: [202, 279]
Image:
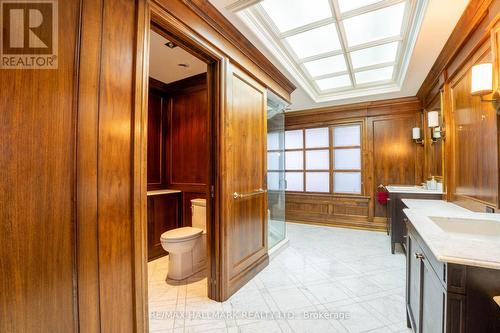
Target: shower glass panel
[276, 169]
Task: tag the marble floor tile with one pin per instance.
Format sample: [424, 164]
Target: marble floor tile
[347, 274]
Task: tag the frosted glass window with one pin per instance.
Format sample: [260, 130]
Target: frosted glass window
[347, 159]
[328, 65]
[317, 137]
[273, 161]
[374, 75]
[273, 180]
[374, 55]
[315, 41]
[294, 139]
[375, 25]
[273, 141]
[335, 82]
[345, 136]
[294, 160]
[347, 5]
[294, 181]
[317, 159]
[317, 182]
[347, 182]
[290, 14]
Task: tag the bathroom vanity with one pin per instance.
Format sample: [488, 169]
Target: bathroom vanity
[395, 216]
[453, 268]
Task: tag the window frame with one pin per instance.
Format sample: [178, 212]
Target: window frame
[331, 152]
[332, 157]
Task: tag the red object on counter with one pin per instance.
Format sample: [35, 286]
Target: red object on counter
[382, 197]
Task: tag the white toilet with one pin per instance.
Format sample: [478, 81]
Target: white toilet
[187, 246]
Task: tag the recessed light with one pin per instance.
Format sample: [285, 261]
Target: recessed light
[170, 45]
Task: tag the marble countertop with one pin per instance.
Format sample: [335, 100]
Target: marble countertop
[411, 189]
[461, 247]
[160, 192]
[434, 205]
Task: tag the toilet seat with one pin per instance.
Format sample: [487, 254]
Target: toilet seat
[180, 234]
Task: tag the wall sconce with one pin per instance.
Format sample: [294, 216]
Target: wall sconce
[482, 83]
[437, 132]
[417, 138]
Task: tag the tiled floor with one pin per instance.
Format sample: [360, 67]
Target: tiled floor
[348, 277]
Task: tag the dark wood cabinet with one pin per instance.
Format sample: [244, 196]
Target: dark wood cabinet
[413, 281]
[396, 217]
[164, 214]
[448, 298]
[433, 296]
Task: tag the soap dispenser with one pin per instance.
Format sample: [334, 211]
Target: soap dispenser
[433, 184]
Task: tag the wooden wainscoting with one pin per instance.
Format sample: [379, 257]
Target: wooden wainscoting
[475, 139]
[471, 143]
[164, 214]
[178, 153]
[332, 210]
[395, 158]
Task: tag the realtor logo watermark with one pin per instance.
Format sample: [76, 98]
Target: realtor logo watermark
[29, 34]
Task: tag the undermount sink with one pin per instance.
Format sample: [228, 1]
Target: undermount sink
[470, 228]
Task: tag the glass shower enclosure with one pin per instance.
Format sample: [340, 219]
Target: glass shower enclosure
[276, 183]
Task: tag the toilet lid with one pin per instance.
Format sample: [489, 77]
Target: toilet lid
[181, 234]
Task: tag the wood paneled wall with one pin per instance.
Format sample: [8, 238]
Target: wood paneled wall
[389, 157]
[178, 151]
[471, 144]
[37, 191]
[396, 158]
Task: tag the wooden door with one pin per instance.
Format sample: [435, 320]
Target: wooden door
[244, 237]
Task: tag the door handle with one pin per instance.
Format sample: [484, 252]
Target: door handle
[237, 195]
[419, 255]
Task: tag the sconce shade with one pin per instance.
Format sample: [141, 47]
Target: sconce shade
[416, 133]
[482, 79]
[436, 133]
[433, 119]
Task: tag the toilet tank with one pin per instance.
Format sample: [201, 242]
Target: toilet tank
[199, 213]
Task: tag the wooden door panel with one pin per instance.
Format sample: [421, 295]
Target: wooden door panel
[164, 213]
[157, 126]
[245, 244]
[396, 156]
[37, 188]
[188, 134]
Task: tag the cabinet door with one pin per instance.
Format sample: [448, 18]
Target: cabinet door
[163, 215]
[433, 300]
[413, 282]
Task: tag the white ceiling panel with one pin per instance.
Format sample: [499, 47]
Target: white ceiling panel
[315, 41]
[291, 14]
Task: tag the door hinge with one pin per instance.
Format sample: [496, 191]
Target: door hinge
[212, 191]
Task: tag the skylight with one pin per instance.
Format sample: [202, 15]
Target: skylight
[340, 48]
[315, 41]
[296, 13]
